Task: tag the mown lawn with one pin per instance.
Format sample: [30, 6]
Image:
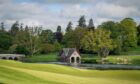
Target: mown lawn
[132, 51]
[87, 58]
[130, 59]
[12, 72]
[113, 59]
[52, 57]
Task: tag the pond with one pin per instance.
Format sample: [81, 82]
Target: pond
[97, 66]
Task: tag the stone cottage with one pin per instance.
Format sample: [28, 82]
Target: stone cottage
[70, 55]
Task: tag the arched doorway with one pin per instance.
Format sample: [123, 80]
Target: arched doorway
[77, 59]
[10, 58]
[15, 58]
[4, 58]
[72, 59]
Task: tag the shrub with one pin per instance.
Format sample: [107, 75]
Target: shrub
[89, 61]
[21, 50]
[47, 48]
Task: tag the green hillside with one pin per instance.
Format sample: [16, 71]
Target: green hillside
[12, 72]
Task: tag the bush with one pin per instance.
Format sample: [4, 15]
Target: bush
[12, 48]
[57, 46]
[47, 48]
[21, 50]
[89, 61]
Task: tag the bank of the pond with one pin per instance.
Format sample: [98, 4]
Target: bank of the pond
[98, 66]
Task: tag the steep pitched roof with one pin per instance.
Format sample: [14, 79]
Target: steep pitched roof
[68, 51]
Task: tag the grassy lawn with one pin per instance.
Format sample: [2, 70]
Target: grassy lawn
[12, 72]
[132, 51]
[113, 59]
[88, 58]
[52, 57]
[130, 59]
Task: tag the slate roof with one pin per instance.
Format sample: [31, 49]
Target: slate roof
[68, 51]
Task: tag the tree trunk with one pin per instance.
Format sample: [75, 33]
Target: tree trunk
[103, 53]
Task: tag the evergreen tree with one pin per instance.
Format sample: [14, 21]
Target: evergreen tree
[138, 34]
[69, 27]
[91, 25]
[15, 28]
[58, 34]
[47, 36]
[21, 27]
[138, 29]
[26, 28]
[2, 26]
[82, 22]
[58, 28]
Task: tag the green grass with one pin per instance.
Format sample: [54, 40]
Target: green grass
[52, 57]
[132, 59]
[12, 72]
[132, 51]
[113, 59]
[86, 58]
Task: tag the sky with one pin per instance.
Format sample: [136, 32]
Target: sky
[51, 13]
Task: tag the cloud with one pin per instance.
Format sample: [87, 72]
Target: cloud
[5, 1]
[66, 1]
[134, 3]
[112, 10]
[37, 12]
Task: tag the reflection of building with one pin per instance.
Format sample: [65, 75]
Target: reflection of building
[17, 57]
[70, 55]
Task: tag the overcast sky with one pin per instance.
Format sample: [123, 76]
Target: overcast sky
[51, 13]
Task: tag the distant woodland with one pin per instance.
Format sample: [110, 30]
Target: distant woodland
[110, 37]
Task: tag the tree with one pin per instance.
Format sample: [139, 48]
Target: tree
[138, 34]
[58, 34]
[58, 28]
[21, 27]
[29, 38]
[98, 41]
[14, 29]
[116, 34]
[57, 46]
[5, 41]
[34, 39]
[47, 36]
[129, 33]
[2, 26]
[82, 22]
[91, 25]
[73, 38]
[69, 27]
[47, 48]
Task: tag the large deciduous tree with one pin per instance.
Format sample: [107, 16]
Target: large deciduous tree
[29, 38]
[129, 32]
[116, 34]
[47, 36]
[98, 41]
[73, 38]
[5, 41]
